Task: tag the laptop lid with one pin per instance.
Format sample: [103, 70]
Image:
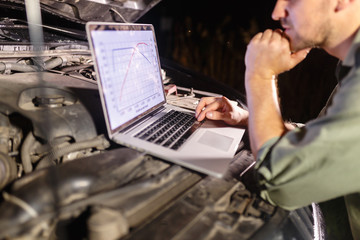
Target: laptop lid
[129, 72]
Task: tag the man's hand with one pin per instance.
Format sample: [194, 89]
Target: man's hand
[269, 54]
[221, 108]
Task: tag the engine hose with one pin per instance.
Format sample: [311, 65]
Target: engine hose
[25, 152]
[17, 67]
[52, 63]
[98, 142]
[49, 64]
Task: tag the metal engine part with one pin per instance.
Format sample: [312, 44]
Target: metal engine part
[45, 117]
[106, 223]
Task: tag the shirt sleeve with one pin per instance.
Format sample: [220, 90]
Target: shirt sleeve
[317, 162]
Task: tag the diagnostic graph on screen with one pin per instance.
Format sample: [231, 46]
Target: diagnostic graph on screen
[129, 72]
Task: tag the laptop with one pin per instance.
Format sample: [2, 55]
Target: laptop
[137, 115]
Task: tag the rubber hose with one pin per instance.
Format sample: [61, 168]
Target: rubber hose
[25, 152]
[49, 64]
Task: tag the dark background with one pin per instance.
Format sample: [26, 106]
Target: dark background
[211, 37]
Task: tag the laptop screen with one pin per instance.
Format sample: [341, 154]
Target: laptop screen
[128, 68]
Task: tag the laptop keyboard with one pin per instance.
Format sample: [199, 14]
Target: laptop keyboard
[171, 130]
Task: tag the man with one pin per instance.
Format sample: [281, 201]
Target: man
[317, 162]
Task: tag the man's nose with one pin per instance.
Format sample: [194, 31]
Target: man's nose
[279, 10]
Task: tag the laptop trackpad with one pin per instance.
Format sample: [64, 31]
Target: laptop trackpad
[216, 140]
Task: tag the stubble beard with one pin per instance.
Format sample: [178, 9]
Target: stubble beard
[299, 42]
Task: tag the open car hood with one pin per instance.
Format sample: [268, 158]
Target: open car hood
[90, 10]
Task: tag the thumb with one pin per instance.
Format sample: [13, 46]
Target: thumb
[300, 55]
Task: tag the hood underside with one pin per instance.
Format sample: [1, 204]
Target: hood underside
[90, 10]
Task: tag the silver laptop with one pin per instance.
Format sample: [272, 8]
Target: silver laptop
[134, 103]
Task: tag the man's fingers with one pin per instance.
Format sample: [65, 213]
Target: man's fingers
[199, 107]
[210, 104]
[209, 108]
[203, 103]
[224, 116]
[270, 35]
[298, 56]
[258, 36]
[278, 30]
[215, 115]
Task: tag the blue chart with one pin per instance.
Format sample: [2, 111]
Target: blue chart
[130, 75]
[139, 76]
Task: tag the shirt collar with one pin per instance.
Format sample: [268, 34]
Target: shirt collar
[350, 61]
[350, 57]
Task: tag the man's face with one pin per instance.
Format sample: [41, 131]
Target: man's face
[306, 22]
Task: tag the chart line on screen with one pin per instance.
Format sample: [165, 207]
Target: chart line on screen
[134, 49]
[139, 70]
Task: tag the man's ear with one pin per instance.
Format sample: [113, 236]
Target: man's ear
[342, 4]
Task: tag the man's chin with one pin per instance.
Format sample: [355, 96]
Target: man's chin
[297, 46]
